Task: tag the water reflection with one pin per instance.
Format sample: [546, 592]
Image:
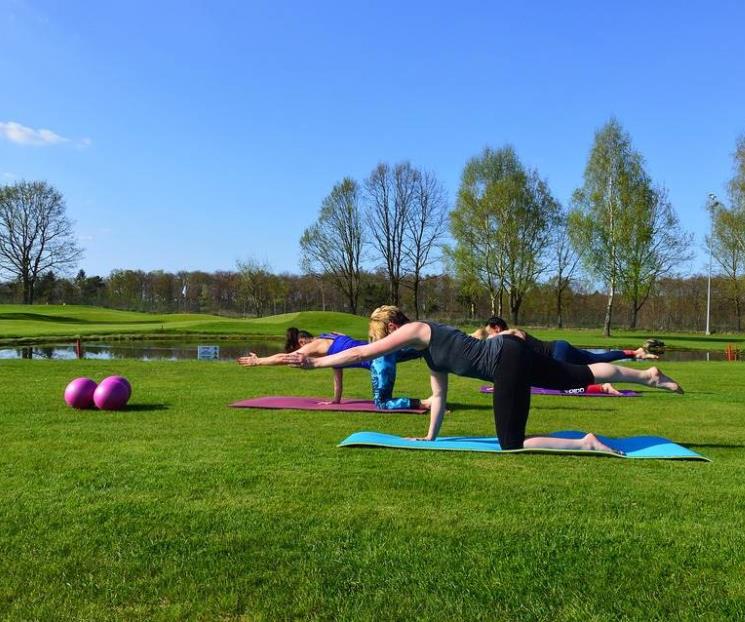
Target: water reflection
[140, 350]
[229, 350]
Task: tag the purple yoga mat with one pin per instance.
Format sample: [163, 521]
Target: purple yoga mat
[487, 388]
[312, 403]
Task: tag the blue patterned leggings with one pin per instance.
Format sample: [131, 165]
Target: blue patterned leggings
[383, 377]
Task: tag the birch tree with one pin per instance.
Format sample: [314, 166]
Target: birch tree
[599, 224]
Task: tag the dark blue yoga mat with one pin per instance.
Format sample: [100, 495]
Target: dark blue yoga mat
[632, 446]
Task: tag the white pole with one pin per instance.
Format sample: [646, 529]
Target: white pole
[714, 201]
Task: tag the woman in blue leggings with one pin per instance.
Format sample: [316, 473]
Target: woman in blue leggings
[560, 350]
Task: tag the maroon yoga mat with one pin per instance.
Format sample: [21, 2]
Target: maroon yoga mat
[487, 388]
[312, 403]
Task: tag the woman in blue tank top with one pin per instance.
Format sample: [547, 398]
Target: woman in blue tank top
[382, 369]
[504, 360]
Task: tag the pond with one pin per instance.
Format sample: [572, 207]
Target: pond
[142, 350]
[226, 350]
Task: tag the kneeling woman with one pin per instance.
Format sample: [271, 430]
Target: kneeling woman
[506, 361]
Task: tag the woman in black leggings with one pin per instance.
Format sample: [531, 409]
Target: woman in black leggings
[504, 360]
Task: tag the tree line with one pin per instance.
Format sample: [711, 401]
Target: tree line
[509, 236]
[677, 303]
[505, 246]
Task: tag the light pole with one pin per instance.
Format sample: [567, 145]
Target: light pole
[713, 202]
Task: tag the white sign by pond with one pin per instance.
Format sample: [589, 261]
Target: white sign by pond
[208, 353]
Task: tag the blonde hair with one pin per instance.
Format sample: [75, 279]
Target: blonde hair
[480, 333]
[379, 319]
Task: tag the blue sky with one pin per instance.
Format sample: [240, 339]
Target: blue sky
[187, 135]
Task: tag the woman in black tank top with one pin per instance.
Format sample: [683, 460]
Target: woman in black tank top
[506, 361]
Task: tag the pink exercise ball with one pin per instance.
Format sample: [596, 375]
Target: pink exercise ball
[111, 394]
[121, 379]
[79, 393]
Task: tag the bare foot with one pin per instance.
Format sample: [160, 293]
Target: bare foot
[591, 442]
[661, 381]
[610, 389]
[426, 403]
[642, 355]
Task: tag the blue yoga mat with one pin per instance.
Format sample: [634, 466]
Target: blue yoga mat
[632, 446]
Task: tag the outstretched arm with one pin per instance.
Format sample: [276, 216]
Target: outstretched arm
[256, 361]
[317, 347]
[415, 335]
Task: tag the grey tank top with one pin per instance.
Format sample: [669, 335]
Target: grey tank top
[454, 352]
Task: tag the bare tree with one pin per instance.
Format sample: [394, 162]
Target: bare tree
[35, 234]
[390, 194]
[425, 227]
[566, 260]
[332, 247]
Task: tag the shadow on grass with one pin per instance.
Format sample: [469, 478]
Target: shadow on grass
[574, 408]
[38, 317]
[471, 406]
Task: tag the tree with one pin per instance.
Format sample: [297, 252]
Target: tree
[501, 225]
[736, 187]
[656, 246]
[333, 245]
[255, 288]
[390, 194]
[425, 227]
[600, 223]
[728, 232]
[565, 262]
[526, 234]
[476, 220]
[35, 234]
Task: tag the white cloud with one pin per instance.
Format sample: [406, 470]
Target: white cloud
[22, 135]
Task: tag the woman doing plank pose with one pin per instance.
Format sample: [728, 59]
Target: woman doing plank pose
[382, 369]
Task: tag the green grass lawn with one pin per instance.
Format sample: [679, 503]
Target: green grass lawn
[180, 508]
[39, 322]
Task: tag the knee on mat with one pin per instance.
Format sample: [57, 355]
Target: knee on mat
[511, 443]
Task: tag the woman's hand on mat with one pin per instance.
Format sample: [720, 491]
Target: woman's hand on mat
[419, 438]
